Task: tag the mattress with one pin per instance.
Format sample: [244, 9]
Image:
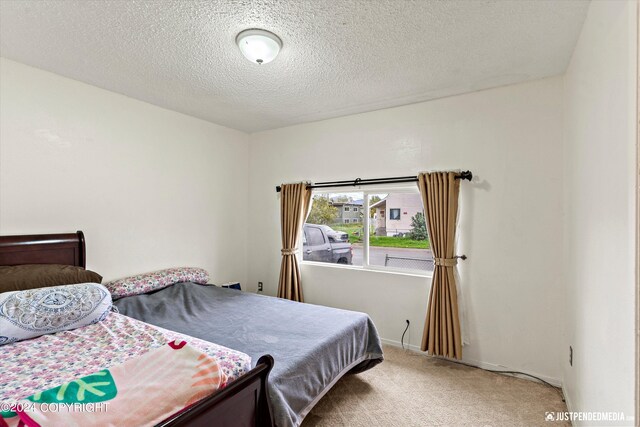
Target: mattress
[313, 346]
[27, 367]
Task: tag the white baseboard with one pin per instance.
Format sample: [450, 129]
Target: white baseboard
[399, 344]
[479, 364]
[484, 365]
[567, 402]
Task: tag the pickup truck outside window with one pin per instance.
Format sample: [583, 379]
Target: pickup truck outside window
[319, 246]
[360, 229]
[315, 236]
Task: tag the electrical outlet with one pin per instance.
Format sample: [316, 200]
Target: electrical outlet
[259, 286]
[570, 356]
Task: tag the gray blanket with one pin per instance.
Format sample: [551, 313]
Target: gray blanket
[313, 346]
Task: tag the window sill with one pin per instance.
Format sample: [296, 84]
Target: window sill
[410, 273]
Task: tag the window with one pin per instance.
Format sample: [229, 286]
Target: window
[343, 236]
[373, 239]
[399, 242]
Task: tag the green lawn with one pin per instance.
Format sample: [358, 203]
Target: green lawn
[383, 241]
[348, 228]
[398, 242]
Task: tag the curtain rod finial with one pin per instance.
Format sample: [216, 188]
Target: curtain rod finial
[466, 175]
[278, 188]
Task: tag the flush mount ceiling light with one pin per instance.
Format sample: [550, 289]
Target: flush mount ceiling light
[259, 46]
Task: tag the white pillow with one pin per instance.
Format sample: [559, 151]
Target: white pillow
[34, 312]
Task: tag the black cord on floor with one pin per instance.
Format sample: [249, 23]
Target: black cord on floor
[405, 331]
[513, 373]
[491, 370]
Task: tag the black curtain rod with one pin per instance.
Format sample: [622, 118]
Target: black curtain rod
[328, 184]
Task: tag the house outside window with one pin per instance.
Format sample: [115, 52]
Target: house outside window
[377, 236]
[348, 207]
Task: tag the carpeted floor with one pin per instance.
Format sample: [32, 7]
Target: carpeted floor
[410, 389]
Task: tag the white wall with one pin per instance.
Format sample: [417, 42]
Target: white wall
[600, 96]
[511, 227]
[149, 187]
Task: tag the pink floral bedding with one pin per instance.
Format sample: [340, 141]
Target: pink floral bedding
[147, 282]
[142, 391]
[47, 361]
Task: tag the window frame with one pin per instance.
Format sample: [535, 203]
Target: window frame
[399, 214]
[366, 231]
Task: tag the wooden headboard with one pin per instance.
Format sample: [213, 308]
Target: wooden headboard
[66, 249]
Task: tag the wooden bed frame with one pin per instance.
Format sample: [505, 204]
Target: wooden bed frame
[244, 402]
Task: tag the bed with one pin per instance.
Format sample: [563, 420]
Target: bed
[313, 346]
[243, 402]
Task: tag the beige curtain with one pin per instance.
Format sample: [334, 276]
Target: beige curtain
[295, 201]
[441, 335]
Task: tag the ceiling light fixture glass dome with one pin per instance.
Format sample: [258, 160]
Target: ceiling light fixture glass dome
[259, 46]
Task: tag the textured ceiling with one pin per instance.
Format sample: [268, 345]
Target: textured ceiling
[338, 58]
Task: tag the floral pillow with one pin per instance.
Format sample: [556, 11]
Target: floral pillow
[34, 312]
[143, 283]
